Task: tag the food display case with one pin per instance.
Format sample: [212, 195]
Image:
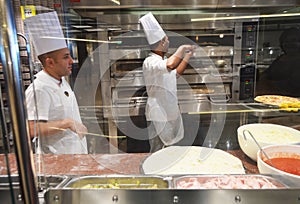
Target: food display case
[235, 43]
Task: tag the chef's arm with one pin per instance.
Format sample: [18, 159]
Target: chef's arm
[179, 60]
[184, 62]
[48, 128]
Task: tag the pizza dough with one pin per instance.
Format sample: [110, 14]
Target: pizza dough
[192, 160]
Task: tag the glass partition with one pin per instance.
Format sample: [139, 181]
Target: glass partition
[87, 100]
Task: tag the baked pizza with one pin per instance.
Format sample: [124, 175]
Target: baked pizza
[204, 91]
[278, 100]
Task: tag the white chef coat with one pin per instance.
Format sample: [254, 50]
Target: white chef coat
[162, 104]
[55, 101]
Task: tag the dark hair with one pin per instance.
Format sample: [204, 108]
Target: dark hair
[155, 45]
[290, 40]
[44, 56]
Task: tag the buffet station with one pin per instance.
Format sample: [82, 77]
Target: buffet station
[177, 174]
[264, 168]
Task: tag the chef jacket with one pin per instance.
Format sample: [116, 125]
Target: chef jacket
[162, 104]
[55, 100]
[283, 76]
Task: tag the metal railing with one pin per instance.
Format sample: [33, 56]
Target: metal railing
[15, 94]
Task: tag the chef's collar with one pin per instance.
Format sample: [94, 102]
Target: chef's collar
[156, 55]
[56, 81]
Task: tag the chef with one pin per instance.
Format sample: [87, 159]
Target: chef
[52, 108]
[163, 116]
[283, 75]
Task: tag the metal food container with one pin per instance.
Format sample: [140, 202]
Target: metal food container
[242, 181]
[44, 183]
[52, 181]
[119, 182]
[49, 181]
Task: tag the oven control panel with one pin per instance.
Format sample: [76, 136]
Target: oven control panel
[247, 79]
[249, 41]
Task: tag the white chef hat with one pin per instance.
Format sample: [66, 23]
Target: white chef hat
[45, 32]
[152, 29]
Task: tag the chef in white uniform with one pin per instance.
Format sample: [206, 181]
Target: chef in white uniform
[165, 125]
[52, 107]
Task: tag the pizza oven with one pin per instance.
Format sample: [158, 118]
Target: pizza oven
[217, 74]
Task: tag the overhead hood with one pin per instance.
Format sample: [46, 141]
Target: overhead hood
[187, 4]
[176, 15]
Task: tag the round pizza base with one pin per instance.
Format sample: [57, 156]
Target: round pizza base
[192, 160]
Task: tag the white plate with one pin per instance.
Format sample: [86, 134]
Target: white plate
[192, 160]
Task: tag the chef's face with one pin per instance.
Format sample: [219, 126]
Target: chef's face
[165, 43]
[61, 63]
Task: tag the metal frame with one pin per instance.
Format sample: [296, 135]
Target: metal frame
[169, 196]
[11, 68]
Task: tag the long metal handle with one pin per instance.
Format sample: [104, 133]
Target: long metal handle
[124, 78]
[91, 134]
[216, 100]
[30, 63]
[11, 68]
[258, 145]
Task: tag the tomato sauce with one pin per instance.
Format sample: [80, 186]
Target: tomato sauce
[289, 165]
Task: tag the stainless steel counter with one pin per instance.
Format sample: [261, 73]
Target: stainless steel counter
[129, 164]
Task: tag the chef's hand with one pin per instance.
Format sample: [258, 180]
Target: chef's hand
[188, 52]
[77, 127]
[188, 49]
[193, 48]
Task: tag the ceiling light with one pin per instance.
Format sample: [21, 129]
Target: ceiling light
[85, 40]
[245, 17]
[116, 2]
[114, 29]
[81, 26]
[94, 29]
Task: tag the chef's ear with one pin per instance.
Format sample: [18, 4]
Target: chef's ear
[49, 61]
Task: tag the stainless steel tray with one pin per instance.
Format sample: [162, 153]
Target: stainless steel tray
[14, 195]
[49, 181]
[242, 181]
[72, 192]
[119, 182]
[171, 196]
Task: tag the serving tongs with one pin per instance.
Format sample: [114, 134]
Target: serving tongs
[258, 145]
